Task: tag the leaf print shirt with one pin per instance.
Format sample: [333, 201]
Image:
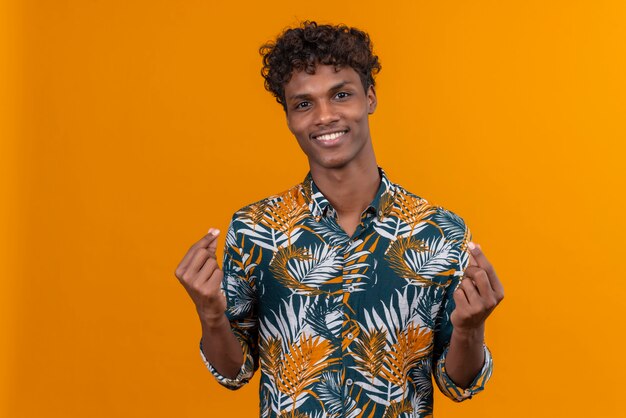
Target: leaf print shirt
[345, 326]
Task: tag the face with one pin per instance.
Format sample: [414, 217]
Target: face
[328, 114]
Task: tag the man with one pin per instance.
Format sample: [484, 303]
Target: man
[347, 290]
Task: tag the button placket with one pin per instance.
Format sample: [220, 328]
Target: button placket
[346, 312]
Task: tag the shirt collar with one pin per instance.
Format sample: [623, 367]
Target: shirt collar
[321, 207]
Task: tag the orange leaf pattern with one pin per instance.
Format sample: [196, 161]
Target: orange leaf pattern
[345, 326]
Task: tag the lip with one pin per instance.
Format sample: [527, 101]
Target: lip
[329, 142]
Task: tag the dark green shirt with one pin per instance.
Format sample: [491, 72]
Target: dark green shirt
[345, 326]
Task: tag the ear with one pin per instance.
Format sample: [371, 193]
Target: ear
[372, 101]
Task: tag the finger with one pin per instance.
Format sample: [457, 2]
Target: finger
[477, 252]
[472, 261]
[471, 292]
[205, 242]
[207, 271]
[190, 275]
[460, 299]
[212, 287]
[489, 299]
[480, 279]
[199, 260]
[213, 243]
[214, 283]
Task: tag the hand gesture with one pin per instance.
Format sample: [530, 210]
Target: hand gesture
[201, 277]
[478, 294]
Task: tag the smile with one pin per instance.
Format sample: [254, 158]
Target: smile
[329, 136]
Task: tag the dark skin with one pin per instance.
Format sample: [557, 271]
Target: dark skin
[477, 296]
[332, 101]
[201, 277]
[328, 114]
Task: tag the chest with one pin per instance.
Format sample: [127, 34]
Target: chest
[354, 275]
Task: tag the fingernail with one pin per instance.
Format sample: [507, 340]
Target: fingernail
[210, 231]
[215, 232]
[471, 245]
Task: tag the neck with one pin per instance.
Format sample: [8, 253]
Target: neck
[348, 189]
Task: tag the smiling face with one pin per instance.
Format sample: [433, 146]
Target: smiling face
[328, 114]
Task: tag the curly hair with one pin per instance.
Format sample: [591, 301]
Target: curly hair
[310, 44]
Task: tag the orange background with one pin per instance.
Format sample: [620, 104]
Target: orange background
[131, 127]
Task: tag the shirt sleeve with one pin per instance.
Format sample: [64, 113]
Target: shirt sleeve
[239, 287]
[444, 332]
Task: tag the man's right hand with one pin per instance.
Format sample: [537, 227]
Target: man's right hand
[201, 277]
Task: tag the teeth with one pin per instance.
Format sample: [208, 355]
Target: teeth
[330, 137]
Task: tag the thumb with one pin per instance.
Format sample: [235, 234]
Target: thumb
[213, 244]
[472, 260]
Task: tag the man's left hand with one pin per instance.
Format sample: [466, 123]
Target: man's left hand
[478, 294]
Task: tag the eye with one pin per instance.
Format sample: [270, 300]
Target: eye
[342, 95]
[302, 105]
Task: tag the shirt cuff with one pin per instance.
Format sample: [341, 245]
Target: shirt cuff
[456, 393]
[243, 377]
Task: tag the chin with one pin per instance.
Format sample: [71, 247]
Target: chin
[333, 164]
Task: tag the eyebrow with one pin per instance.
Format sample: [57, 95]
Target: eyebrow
[337, 86]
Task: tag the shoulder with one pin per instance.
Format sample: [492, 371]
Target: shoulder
[444, 231]
[451, 225]
[253, 213]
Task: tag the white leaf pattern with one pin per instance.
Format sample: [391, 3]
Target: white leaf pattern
[363, 322]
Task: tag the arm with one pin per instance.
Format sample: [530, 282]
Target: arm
[239, 292]
[463, 363]
[465, 357]
[477, 296]
[221, 349]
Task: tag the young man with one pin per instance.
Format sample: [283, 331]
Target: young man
[348, 291]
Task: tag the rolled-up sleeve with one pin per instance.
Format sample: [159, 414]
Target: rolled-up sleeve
[456, 393]
[245, 373]
[239, 286]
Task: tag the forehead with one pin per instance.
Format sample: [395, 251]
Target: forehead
[324, 78]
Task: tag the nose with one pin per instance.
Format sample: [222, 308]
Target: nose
[326, 114]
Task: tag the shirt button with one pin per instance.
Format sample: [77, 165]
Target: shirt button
[349, 382]
[350, 336]
[380, 213]
[350, 288]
